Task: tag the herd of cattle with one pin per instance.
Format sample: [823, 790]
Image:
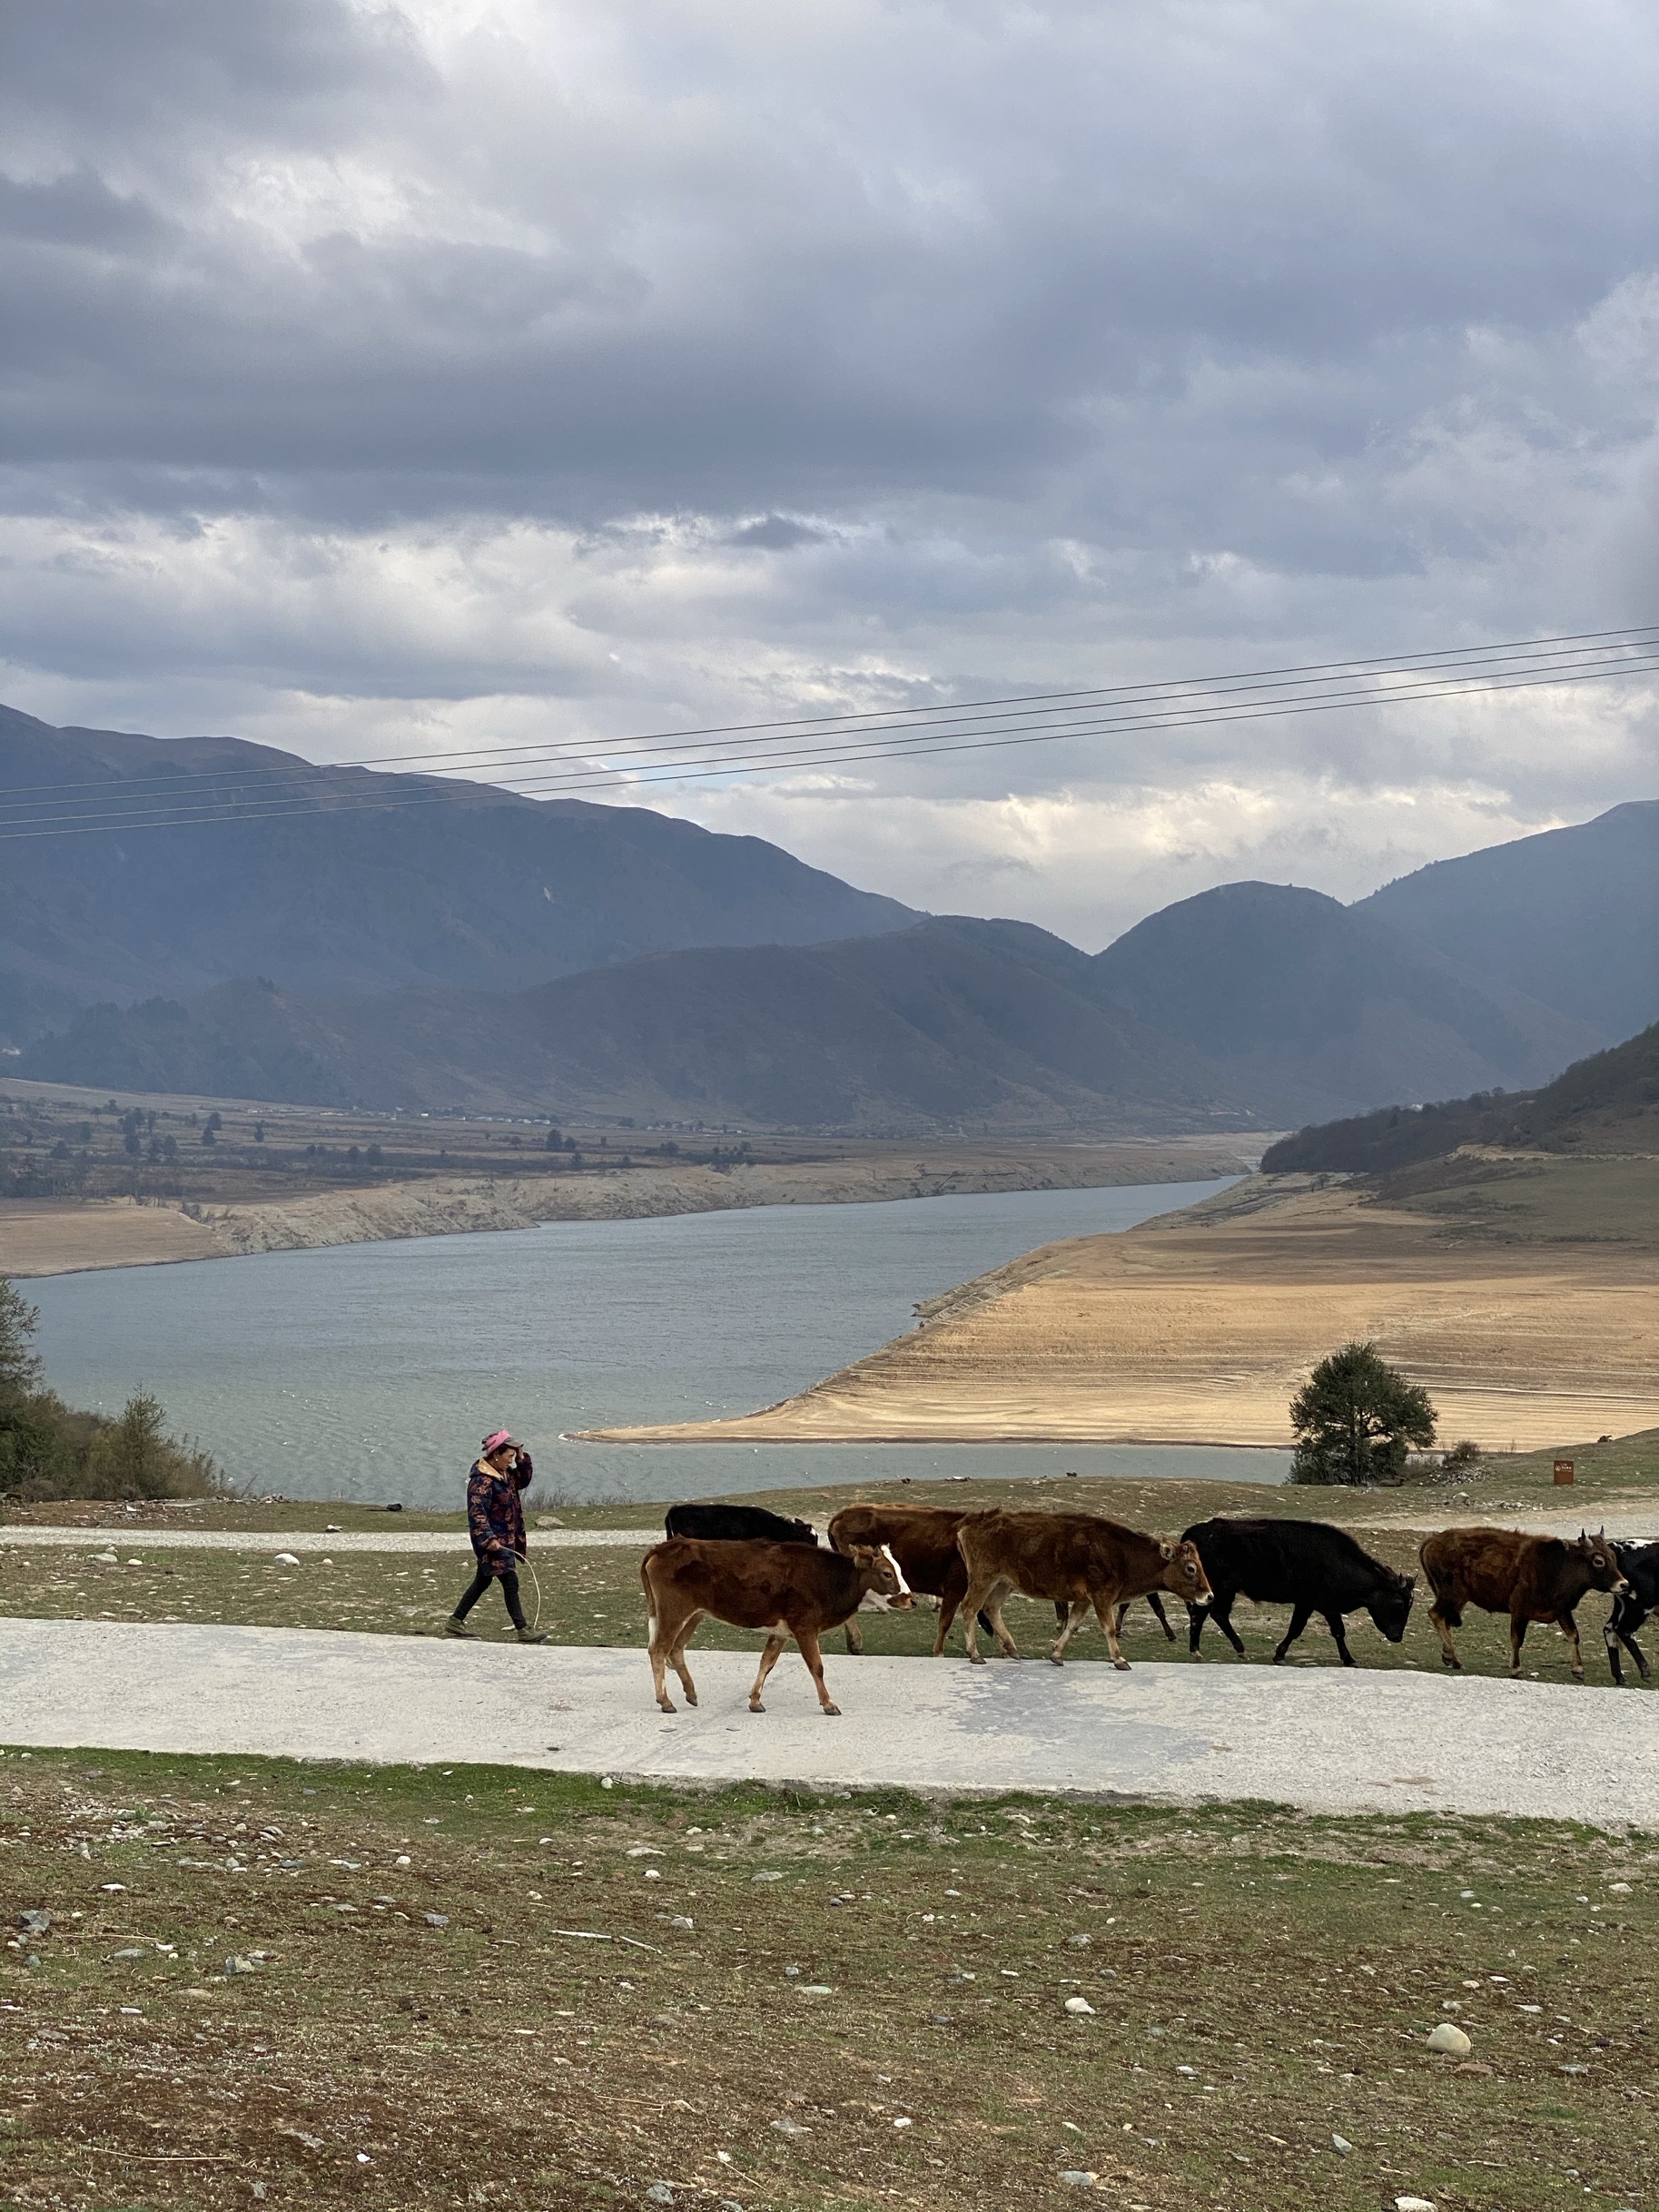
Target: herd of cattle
[758, 1570]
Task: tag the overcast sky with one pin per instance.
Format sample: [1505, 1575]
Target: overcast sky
[382, 377]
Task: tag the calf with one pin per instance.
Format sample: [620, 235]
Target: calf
[1077, 1559]
[1309, 1566]
[736, 1525]
[922, 1541]
[1641, 1565]
[1530, 1578]
[786, 1589]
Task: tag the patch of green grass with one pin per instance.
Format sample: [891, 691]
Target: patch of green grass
[1261, 1982]
[1534, 1199]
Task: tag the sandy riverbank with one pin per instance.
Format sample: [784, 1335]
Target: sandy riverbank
[1200, 1328]
[54, 1237]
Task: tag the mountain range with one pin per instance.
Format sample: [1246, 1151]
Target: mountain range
[463, 947]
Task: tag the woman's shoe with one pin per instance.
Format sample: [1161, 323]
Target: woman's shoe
[531, 1635]
[456, 1627]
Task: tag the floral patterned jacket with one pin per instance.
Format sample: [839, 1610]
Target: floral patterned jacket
[495, 1514]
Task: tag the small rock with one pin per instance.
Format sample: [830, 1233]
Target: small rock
[1191, 2071]
[114, 1888]
[435, 1920]
[1618, 1889]
[1078, 2005]
[679, 1920]
[403, 1859]
[1472, 2066]
[606, 1782]
[1080, 1942]
[239, 1965]
[549, 1520]
[132, 1951]
[790, 2127]
[1450, 2040]
[903, 2123]
[1414, 2204]
[107, 1559]
[1078, 2180]
[1572, 2067]
[35, 1921]
[768, 1877]
[1340, 2144]
[331, 1529]
[285, 1559]
[659, 2193]
[813, 1989]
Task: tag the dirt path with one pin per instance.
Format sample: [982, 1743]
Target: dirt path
[1201, 1327]
[1321, 1740]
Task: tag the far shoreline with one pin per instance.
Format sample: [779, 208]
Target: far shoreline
[41, 1238]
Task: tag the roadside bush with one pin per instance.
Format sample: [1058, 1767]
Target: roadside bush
[50, 1450]
[1356, 1419]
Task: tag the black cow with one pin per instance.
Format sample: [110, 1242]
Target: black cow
[1309, 1566]
[736, 1525]
[1641, 1565]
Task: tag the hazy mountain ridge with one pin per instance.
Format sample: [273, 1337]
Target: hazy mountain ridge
[1570, 917]
[502, 954]
[473, 888]
[1606, 1104]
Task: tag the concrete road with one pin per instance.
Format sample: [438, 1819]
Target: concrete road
[135, 1540]
[1324, 1740]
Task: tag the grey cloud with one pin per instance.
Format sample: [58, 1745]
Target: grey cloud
[700, 362]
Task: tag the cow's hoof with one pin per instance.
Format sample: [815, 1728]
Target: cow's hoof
[1578, 1674]
[690, 1699]
[832, 1712]
[976, 1658]
[1055, 1659]
[1122, 1665]
[757, 1707]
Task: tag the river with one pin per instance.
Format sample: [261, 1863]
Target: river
[370, 1371]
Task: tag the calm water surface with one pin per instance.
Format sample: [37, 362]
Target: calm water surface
[370, 1371]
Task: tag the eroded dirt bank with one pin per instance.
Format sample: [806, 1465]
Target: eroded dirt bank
[48, 1237]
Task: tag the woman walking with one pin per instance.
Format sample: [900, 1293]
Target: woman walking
[495, 1520]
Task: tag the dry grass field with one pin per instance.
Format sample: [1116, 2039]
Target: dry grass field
[294, 1985]
[1200, 1328]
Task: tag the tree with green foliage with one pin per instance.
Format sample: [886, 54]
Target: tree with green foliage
[1355, 1419]
[49, 1450]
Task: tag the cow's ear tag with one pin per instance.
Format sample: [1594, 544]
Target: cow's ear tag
[1167, 1549]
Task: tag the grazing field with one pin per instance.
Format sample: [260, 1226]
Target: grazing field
[1526, 1319]
[294, 1985]
[593, 1596]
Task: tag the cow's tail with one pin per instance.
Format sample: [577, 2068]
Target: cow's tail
[644, 1584]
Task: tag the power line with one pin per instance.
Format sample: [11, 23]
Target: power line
[817, 741]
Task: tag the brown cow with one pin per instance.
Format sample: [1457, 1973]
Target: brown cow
[1530, 1578]
[1077, 1559]
[793, 1589]
[922, 1540]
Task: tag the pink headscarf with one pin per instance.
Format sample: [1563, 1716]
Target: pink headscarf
[494, 1443]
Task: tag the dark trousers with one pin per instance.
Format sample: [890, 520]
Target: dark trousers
[481, 1583]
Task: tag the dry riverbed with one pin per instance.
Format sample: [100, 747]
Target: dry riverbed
[1200, 1328]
